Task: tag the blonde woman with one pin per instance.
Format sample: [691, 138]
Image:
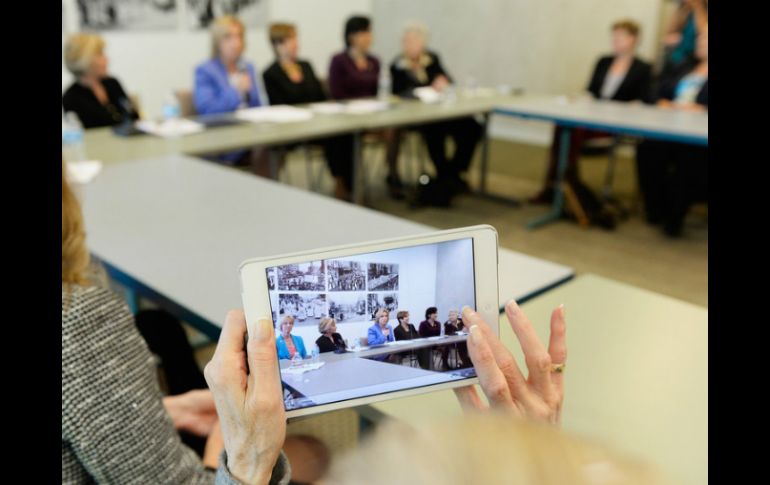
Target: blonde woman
[381, 331]
[226, 81]
[330, 340]
[115, 426]
[98, 99]
[288, 345]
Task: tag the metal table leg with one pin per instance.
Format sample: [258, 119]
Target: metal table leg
[558, 197]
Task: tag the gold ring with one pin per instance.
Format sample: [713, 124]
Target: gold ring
[558, 368]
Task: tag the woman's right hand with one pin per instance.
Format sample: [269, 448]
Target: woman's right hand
[541, 394]
[247, 391]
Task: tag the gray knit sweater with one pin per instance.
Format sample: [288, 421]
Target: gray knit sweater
[114, 428]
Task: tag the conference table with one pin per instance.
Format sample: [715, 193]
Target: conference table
[631, 119]
[174, 229]
[369, 370]
[102, 144]
[636, 378]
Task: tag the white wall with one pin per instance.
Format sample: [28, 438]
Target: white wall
[454, 277]
[542, 46]
[152, 64]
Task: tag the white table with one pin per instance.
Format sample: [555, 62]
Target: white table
[608, 116]
[175, 229]
[636, 378]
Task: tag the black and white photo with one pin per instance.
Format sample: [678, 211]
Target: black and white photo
[128, 14]
[271, 279]
[302, 277]
[347, 307]
[253, 13]
[388, 301]
[383, 276]
[346, 275]
[306, 308]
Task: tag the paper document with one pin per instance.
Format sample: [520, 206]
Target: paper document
[84, 171]
[274, 114]
[170, 128]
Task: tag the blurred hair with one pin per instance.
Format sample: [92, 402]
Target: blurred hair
[80, 50]
[628, 25]
[220, 28]
[354, 25]
[325, 323]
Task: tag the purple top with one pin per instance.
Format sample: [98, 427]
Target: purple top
[346, 81]
[428, 330]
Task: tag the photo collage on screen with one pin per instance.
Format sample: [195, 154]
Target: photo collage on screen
[346, 290]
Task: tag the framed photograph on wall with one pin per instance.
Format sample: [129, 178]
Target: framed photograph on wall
[253, 13]
[129, 15]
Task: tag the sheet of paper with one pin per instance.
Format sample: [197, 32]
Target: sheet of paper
[170, 128]
[274, 114]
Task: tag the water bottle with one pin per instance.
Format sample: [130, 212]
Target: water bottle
[73, 148]
[296, 361]
[171, 109]
[316, 353]
[383, 87]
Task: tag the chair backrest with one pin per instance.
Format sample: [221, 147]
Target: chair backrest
[186, 105]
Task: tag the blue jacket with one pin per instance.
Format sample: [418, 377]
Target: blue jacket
[376, 337]
[283, 352]
[214, 94]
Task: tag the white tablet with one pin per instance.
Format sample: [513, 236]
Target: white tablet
[367, 322]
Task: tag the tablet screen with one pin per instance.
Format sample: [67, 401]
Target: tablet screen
[372, 323]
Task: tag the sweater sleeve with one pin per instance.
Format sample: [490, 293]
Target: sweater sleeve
[113, 418]
[209, 97]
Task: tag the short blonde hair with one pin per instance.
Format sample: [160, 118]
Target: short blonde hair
[286, 319]
[75, 260]
[279, 32]
[80, 51]
[381, 312]
[325, 323]
[497, 448]
[220, 28]
[400, 315]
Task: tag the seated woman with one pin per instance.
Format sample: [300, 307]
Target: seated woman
[674, 175]
[289, 80]
[115, 426]
[381, 331]
[289, 345]
[98, 99]
[406, 331]
[330, 340]
[418, 67]
[451, 327]
[430, 327]
[619, 77]
[227, 82]
[454, 324]
[355, 73]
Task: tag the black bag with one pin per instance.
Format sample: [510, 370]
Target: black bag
[437, 193]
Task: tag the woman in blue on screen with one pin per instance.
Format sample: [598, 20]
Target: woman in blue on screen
[225, 82]
[381, 331]
[287, 344]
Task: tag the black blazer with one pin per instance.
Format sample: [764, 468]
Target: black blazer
[325, 345]
[400, 334]
[282, 90]
[667, 85]
[635, 86]
[94, 114]
[404, 80]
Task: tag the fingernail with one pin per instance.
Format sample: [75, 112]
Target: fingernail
[475, 332]
[512, 305]
[264, 330]
[563, 310]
